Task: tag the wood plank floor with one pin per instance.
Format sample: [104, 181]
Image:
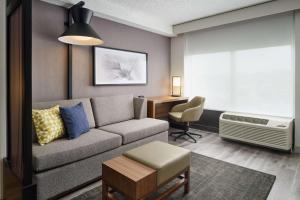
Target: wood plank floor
[285, 166]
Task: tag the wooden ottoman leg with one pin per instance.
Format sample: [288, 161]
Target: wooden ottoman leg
[187, 179]
[104, 190]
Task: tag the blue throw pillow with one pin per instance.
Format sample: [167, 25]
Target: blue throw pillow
[75, 120]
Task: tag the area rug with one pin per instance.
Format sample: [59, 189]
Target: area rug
[213, 179]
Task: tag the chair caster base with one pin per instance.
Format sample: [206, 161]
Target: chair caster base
[185, 133]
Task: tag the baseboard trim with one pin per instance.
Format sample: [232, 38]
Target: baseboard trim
[296, 149]
[205, 128]
[1, 179]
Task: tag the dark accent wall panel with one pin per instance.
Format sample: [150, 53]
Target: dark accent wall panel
[49, 56]
[209, 121]
[16, 91]
[18, 181]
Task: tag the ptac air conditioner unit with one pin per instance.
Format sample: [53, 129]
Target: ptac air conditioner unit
[274, 132]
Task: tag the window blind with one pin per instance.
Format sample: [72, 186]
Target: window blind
[243, 67]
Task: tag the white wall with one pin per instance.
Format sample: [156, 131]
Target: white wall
[252, 12]
[297, 81]
[2, 92]
[177, 58]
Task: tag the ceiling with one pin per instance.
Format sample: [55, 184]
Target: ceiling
[158, 15]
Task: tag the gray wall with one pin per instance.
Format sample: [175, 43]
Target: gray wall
[2, 91]
[177, 58]
[50, 57]
[297, 80]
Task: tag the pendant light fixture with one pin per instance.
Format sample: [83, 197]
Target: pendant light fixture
[80, 32]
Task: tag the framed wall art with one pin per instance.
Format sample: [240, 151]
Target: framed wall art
[119, 67]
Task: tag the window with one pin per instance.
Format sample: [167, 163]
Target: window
[251, 71]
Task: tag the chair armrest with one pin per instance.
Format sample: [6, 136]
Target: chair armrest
[140, 108]
[192, 114]
[180, 107]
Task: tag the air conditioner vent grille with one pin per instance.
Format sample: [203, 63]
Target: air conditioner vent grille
[261, 130]
[252, 120]
[255, 134]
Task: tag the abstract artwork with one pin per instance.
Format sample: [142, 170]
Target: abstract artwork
[119, 67]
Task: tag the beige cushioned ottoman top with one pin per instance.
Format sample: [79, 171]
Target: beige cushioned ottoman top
[168, 160]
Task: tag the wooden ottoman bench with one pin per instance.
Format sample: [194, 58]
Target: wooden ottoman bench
[143, 170]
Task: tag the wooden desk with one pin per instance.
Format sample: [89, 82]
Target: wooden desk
[159, 107]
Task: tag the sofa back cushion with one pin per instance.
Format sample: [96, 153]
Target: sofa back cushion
[112, 109]
[86, 102]
[67, 103]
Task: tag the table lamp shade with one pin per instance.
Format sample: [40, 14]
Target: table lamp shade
[176, 86]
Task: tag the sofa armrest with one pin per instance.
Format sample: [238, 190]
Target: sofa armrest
[140, 107]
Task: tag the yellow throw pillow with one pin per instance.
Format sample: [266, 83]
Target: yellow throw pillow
[48, 124]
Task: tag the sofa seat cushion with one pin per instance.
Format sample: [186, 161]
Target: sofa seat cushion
[176, 116]
[137, 129]
[64, 151]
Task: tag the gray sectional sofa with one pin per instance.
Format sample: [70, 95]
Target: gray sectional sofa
[117, 124]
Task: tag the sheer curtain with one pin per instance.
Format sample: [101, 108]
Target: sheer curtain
[244, 67]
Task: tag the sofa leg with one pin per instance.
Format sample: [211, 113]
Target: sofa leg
[187, 179]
